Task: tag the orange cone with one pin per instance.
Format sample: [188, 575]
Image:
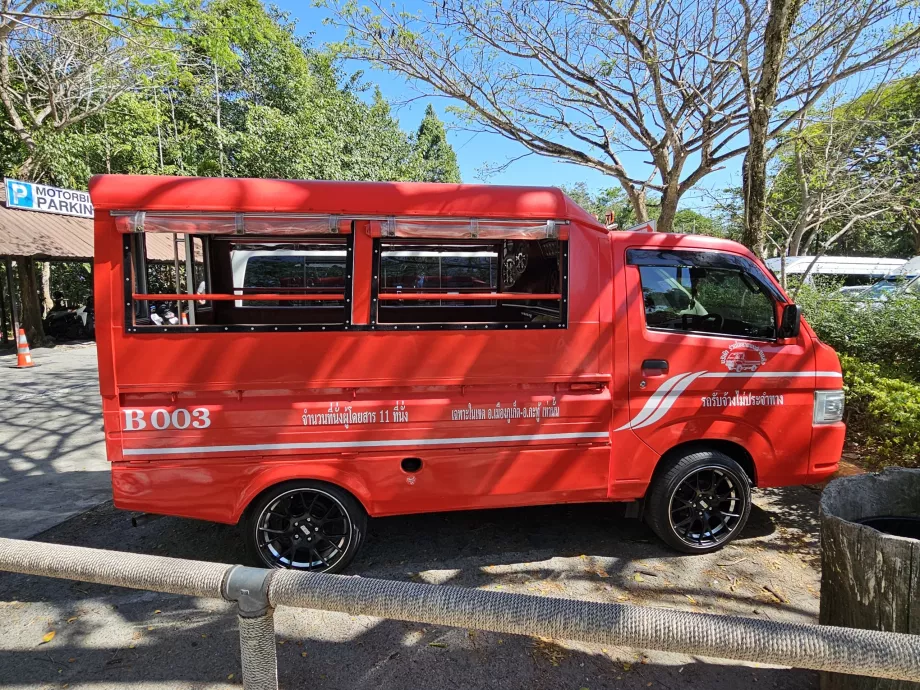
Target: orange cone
[185, 318]
[23, 356]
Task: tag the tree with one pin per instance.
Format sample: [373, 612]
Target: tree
[828, 182]
[434, 156]
[590, 80]
[780, 21]
[613, 200]
[285, 110]
[61, 63]
[889, 144]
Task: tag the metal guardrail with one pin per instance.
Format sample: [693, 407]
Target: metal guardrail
[257, 592]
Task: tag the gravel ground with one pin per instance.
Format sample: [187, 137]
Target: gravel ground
[117, 638]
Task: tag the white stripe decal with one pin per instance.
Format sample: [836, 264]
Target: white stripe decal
[465, 440]
[654, 400]
[669, 401]
[661, 401]
[773, 374]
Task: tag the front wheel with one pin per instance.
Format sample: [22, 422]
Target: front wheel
[305, 525]
[699, 502]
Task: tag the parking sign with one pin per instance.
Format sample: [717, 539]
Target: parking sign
[19, 194]
[30, 196]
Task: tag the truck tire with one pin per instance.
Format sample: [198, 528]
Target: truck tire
[305, 525]
[699, 502]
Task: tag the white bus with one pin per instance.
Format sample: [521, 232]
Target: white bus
[855, 272]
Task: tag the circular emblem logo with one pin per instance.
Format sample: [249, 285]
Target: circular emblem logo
[741, 357]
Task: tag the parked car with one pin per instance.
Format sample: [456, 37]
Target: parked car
[903, 282]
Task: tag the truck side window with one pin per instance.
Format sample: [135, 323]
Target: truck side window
[160, 269]
[227, 280]
[707, 298]
[469, 283]
[308, 268]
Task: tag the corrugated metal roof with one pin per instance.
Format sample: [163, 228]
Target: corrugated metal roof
[50, 236]
[44, 235]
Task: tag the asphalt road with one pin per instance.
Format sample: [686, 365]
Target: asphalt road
[53, 467]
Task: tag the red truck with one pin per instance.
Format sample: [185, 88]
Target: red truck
[352, 349]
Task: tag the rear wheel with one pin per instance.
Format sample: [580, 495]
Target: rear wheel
[699, 502]
[305, 525]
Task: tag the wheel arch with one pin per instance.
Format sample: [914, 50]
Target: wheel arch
[734, 450]
[270, 480]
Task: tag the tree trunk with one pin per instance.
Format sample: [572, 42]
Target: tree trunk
[638, 201]
[668, 210]
[47, 301]
[915, 235]
[26, 169]
[754, 171]
[29, 289]
[870, 579]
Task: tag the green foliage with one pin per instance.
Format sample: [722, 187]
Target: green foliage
[695, 223]
[886, 334]
[879, 347]
[285, 111]
[434, 159]
[74, 279]
[883, 414]
[858, 159]
[601, 202]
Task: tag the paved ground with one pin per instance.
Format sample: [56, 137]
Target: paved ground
[52, 459]
[116, 638]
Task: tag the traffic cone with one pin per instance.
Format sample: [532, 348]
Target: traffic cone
[23, 356]
[185, 318]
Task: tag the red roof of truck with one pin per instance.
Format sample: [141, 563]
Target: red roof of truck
[165, 193]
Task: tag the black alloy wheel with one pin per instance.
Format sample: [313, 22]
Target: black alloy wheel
[700, 502]
[307, 526]
[705, 507]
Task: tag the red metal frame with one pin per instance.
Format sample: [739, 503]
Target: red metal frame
[258, 297]
[466, 296]
[198, 424]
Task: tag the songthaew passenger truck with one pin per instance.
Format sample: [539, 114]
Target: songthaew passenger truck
[320, 352]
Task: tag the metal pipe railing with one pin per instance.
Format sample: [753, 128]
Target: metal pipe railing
[257, 591]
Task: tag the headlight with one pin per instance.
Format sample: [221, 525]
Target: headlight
[828, 407]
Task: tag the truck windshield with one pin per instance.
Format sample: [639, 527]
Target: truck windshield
[885, 288]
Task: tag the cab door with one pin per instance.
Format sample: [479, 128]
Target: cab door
[706, 362]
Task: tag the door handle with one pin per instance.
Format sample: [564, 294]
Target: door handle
[655, 367]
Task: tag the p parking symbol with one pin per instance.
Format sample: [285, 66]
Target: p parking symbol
[20, 195]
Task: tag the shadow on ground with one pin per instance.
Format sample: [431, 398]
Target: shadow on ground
[112, 637]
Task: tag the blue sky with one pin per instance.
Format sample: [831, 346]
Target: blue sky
[476, 150]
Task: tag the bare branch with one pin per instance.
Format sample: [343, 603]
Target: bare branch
[587, 80]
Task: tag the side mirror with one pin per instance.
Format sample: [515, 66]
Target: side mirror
[791, 322]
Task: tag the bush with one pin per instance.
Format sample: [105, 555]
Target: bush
[882, 333]
[883, 415]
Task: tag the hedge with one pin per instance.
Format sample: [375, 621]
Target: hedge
[883, 415]
[883, 333]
